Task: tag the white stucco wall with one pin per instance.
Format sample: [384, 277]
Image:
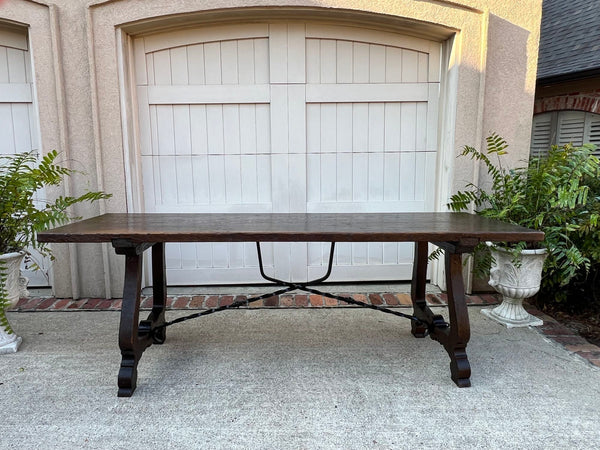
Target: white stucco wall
[84, 109]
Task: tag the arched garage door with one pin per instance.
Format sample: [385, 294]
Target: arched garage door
[286, 117]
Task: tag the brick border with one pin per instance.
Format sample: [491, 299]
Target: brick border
[551, 329]
[387, 299]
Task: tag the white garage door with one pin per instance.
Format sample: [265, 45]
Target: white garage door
[295, 117]
[18, 119]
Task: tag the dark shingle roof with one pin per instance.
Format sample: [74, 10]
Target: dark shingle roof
[570, 37]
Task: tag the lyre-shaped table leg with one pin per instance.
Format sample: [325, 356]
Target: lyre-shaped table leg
[454, 336]
[132, 340]
[460, 329]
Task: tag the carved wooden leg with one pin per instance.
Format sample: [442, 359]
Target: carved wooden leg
[460, 331]
[417, 289]
[131, 342]
[159, 293]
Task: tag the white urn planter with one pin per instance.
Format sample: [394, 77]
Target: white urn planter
[515, 282]
[14, 287]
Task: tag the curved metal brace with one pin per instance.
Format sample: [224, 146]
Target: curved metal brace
[275, 280]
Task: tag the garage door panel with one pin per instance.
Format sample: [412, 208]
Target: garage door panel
[291, 117]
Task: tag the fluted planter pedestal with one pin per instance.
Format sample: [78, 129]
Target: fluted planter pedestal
[13, 287]
[515, 282]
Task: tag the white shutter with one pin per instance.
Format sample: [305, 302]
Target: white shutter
[541, 134]
[592, 135]
[571, 125]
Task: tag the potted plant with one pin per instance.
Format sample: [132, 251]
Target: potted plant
[22, 215]
[547, 194]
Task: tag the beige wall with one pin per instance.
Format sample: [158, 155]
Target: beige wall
[80, 61]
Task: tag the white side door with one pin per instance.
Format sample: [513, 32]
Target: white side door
[18, 119]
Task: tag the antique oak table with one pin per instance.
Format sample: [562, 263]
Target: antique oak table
[132, 234]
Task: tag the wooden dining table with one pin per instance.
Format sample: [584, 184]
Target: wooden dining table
[132, 233]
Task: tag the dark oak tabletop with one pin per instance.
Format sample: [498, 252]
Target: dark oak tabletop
[311, 227]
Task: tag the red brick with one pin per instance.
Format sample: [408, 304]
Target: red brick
[116, 303]
[241, 299]
[443, 298]
[555, 329]
[316, 300]
[569, 340]
[225, 300]
[46, 304]
[344, 303]
[391, 299]
[196, 302]
[595, 362]
[375, 299]
[360, 298]
[434, 299]
[301, 300]
[147, 302]
[490, 299]
[404, 299]
[211, 301]
[588, 351]
[31, 304]
[181, 302]
[77, 304]
[271, 301]
[330, 301]
[104, 304]
[61, 304]
[287, 300]
[91, 303]
[256, 304]
[22, 301]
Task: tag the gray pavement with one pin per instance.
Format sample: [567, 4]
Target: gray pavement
[342, 378]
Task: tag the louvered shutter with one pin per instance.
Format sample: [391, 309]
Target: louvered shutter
[571, 125]
[593, 131]
[541, 134]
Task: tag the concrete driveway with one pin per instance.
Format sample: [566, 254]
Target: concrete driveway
[341, 378]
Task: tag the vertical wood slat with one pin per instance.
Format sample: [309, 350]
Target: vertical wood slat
[162, 67]
[328, 62]
[185, 180]
[344, 61]
[212, 63]
[17, 73]
[201, 186]
[233, 179]
[182, 130]
[195, 64]
[360, 63]
[313, 61]
[165, 130]
[296, 53]
[229, 62]
[278, 53]
[22, 126]
[179, 66]
[198, 130]
[246, 61]
[231, 129]
[376, 63]
[3, 65]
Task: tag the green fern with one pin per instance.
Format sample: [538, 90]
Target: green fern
[22, 215]
[549, 193]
